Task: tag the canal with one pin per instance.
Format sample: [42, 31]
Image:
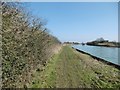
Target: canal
[110, 54]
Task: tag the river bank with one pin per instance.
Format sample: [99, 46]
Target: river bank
[104, 44]
[72, 69]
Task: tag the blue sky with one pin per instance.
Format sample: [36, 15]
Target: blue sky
[80, 22]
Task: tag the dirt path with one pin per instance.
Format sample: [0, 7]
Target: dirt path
[67, 70]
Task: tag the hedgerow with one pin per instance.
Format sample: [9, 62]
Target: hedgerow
[25, 45]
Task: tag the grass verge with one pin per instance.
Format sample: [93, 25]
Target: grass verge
[71, 69]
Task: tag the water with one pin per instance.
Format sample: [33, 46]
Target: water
[107, 53]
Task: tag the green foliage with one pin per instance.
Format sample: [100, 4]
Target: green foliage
[25, 43]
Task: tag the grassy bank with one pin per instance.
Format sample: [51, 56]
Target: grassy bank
[71, 69]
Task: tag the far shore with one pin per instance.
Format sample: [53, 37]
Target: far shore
[104, 44]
